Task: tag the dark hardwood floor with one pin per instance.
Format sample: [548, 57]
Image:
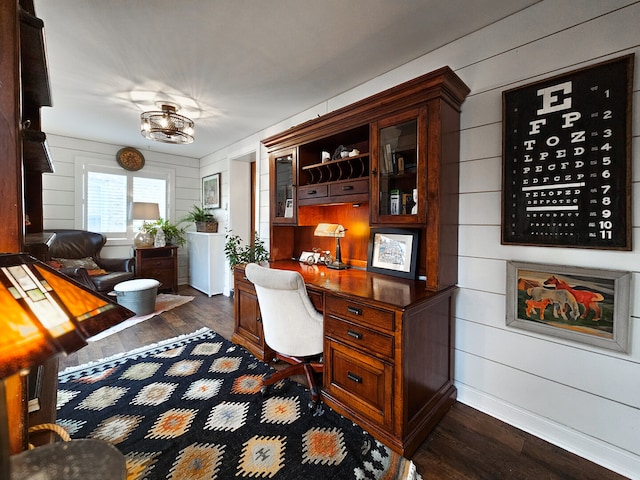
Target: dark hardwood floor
[466, 444]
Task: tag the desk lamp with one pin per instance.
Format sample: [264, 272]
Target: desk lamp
[337, 231]
[43, 313]
[144, 211]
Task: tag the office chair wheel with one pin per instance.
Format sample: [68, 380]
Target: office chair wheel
[315, 398]
[264, 391]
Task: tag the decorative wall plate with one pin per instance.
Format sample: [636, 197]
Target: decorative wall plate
[130, 158]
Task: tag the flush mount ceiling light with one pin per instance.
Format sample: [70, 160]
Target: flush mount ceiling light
[166, 125]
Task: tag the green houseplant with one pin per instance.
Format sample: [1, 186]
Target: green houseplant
[173, 234]
[238, 253]
[203, 218]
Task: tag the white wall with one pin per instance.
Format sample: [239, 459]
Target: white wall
[234, 163]
[582, 398]
[59, 188]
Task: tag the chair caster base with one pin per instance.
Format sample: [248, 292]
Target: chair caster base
[264, 391]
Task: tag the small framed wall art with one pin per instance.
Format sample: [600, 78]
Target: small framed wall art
[566, 160]
[211, 191]
[130, 159]
[393, 251]
[581, 304]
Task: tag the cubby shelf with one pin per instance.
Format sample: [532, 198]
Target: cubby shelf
[341, 169]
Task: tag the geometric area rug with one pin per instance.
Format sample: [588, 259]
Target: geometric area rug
[190, 408]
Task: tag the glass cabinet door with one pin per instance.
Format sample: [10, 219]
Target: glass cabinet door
[399, 174]
[283, 187]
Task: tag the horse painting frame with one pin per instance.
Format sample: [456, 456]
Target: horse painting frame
[585, 305]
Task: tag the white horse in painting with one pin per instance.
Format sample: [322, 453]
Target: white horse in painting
[560, 300]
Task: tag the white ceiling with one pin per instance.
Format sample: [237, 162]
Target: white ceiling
[234, 66]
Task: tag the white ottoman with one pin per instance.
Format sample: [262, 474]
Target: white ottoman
[138, 295]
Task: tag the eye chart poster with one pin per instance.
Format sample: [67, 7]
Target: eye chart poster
[567, 159]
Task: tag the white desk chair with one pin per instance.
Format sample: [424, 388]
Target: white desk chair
[293, 328]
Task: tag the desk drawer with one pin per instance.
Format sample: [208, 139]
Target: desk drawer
[317, 298]
[360, 337]
[239, 276]
[312, 191]
[152, 264]
[362, 382]
[351, 187]
[360, 313]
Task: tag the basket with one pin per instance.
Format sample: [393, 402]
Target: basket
[138, 296]
[208, 227]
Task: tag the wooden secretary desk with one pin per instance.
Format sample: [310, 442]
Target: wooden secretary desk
[388, 348]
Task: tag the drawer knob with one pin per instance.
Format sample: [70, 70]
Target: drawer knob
[347, 187]
[356, 335]
[354, 378]
[312, 192]
[354, 311]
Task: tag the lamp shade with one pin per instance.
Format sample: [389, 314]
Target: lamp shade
[334, 230]
[44, 312]
[145, 211]
[329, 230]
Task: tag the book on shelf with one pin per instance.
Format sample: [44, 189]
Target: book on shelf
[407, 203]
[395, 202]
[388, 167]
[394, 163]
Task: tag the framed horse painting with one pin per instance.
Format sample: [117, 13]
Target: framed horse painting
[584, 305]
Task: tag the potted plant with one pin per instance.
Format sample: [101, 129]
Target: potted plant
[173, 234]
[203, 218]
[236, 253]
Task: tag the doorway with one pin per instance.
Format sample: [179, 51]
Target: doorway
[242, 200]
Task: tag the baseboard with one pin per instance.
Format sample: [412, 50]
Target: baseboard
[604, 454]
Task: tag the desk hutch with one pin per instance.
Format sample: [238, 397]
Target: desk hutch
[388, 348]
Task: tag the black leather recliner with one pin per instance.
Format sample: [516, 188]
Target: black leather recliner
[81, 244]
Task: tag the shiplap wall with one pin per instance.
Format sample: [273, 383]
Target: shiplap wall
[60, 189]
[584, 399]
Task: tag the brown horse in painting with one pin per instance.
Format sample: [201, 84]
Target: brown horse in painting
[539, 304]
[585, 297]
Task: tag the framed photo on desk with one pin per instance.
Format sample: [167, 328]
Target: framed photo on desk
[393, 251]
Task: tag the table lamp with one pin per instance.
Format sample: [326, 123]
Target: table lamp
[144, 211]
[43, 313]
[336, 231]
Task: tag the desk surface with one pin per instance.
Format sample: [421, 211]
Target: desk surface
[393, 291]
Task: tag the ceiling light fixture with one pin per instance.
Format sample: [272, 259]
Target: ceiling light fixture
[166, 125]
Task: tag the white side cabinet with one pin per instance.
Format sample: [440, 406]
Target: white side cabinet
[207, 268]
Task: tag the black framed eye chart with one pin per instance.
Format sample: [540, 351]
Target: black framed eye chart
[566, 160]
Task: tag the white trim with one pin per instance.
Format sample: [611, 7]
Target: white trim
[594, 450]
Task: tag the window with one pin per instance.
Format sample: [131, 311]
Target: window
[107, 194]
